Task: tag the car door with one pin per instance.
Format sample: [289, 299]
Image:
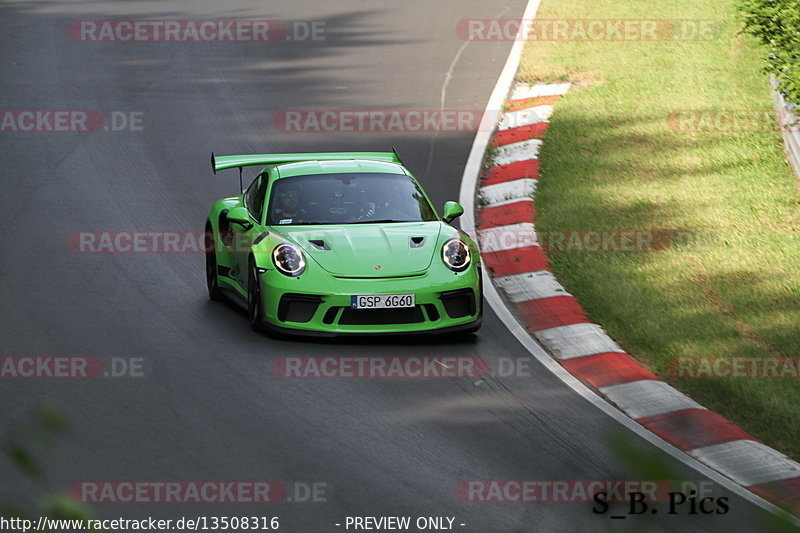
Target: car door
[244, 236]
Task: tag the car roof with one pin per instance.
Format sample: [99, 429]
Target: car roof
[305, 168]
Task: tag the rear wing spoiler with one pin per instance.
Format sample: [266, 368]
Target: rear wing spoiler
[224, 162]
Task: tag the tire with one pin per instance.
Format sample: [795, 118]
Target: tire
[255, 301]
[212, 281]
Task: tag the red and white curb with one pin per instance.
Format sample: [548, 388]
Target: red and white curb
[519, 268]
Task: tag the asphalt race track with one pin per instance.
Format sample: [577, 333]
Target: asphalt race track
[209, 405]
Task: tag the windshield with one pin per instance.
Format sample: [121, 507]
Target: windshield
[347, 199]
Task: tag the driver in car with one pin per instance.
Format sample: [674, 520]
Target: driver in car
[384, 204]
[289, 210]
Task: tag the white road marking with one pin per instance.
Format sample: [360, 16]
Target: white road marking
[648, 398]
[748, 462]
[525, 117]
[524, 90]
[576, 340]
[531, 286]
[507, 237]
[521, 151]
[508, 192]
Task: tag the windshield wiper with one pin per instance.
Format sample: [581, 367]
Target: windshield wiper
[304, 224]
[381, 221]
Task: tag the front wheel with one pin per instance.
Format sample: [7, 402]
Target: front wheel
[255, 303]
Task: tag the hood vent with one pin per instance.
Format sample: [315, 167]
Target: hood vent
[319, 244]
[417, 242]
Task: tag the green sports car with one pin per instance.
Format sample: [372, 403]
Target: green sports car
[341, 243]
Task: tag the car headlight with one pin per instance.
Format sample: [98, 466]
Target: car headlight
[288, 260]
[455, 255]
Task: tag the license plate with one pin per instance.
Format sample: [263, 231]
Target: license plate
[382, 301]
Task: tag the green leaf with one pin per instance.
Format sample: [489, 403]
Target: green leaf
[24, 460]
[61, 506]
[53, 421]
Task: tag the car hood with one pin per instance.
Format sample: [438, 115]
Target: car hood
[369, 250]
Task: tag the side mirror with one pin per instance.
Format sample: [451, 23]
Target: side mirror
[239, 215]
[452, 210]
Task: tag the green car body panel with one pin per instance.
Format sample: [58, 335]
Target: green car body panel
[355, 259]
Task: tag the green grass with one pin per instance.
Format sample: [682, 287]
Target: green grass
[611, 161]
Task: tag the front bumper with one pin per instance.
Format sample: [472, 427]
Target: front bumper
[317, 303]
